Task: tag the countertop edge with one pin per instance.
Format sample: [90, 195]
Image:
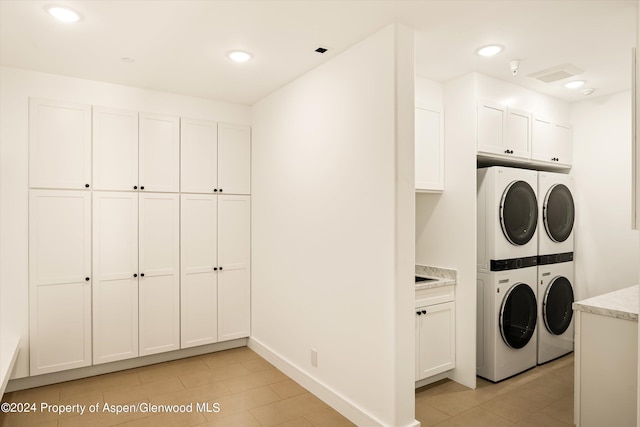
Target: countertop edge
[621, 304]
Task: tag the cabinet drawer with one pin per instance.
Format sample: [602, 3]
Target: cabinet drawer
[426, 297]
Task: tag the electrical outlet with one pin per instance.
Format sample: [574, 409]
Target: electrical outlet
[314, 357]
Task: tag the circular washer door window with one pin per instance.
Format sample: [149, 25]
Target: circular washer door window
[556, 306]
[519, 213]
[558, 213]
[518, 315]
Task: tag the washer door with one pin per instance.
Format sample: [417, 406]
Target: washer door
[558, 213]
[556, 306]
[518, 315]
[518, 213]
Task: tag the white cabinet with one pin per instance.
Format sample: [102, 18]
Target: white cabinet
[115, 276]
[215, 268]
[234, 159]
[159, 151]
[216, 157]
[199, 269]
[435, 332]
[606, 369]
[115, 149]
[199, 156]
[551, 142]
[159, 284]
[504, 131]
[59, 144]
[234, 271]
[429, 150]
[59, 280]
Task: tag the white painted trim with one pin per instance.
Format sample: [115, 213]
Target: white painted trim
[340, 403]
[9, 350]
[106, 368]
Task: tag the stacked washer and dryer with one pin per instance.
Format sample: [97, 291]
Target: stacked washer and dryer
[525, 270]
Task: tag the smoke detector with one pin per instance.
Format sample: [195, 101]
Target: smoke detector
[556, 73]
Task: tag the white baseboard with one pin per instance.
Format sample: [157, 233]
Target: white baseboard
[90, 371]
[357, 415]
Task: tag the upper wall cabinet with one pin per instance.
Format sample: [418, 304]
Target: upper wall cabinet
[234, 159]
[551, 142]
[159, 150]
[199, 156]
[115, 149]
[429, 150]
[216, 158]
[504, 131]
[59, 144]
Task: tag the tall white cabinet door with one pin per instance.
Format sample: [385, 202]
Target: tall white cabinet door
[159, 149]
[59, 144]
[59, 280]
[199, 156]
[429, 150]
[115, 271]
[234, 273]
[115, 149]
[234, 158]
[199, 270]
[159, 284]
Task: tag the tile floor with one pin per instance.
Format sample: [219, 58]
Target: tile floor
[251, 392]
[542, 397]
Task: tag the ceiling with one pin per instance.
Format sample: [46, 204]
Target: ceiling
[180, 46]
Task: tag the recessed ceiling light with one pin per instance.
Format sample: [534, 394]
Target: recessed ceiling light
[574, 84]
[588, 91]
[490, 50]
[127, 60]
[63, 14]
[239, 56]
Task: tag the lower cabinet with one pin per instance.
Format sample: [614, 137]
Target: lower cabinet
[59, 280]
[216, 251]
[435, 332]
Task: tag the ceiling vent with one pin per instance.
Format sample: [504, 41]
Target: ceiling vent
[556, 73]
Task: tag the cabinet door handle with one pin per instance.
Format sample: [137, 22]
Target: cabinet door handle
[87, 279]
[142, 187]
[221, 190]
[215, 190]
[135, 275]
[215, 268]
[424, 311]
[418, 313]
[135, 187]
[220, 268]
[86, 186]
[141, 274]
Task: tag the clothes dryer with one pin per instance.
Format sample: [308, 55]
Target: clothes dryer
[507, 218]
[506, 323]
[555, 310]
[555, 217]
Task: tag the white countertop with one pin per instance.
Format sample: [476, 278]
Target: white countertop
[621, 304]
[442, 276]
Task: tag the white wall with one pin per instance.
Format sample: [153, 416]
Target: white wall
[607, 251]
[16, 86]
[332, 260]
[446, 223]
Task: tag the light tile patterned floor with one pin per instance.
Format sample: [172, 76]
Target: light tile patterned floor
[540, 397]
[251, 392]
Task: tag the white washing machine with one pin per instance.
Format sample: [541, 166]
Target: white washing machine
[507, 218]
[555, 312]
[506, 324]
[556, 216]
